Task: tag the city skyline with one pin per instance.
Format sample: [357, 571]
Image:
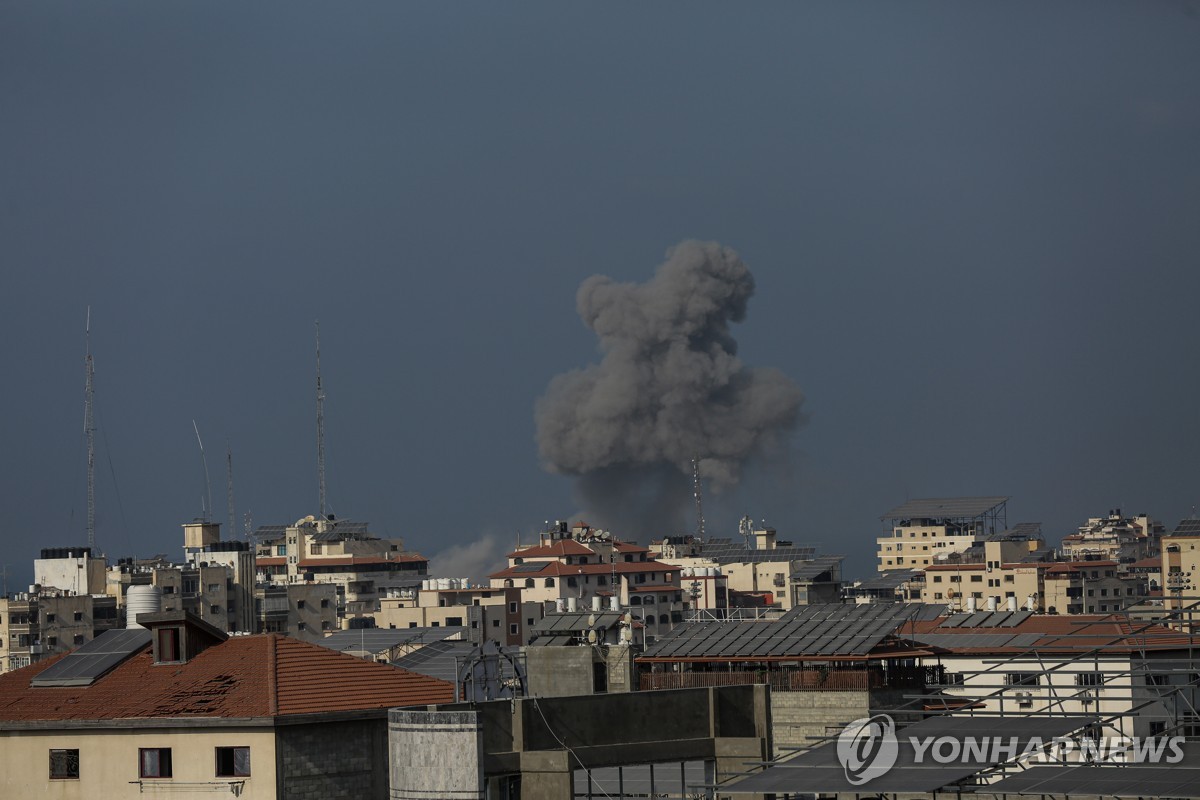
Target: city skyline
[971, 231]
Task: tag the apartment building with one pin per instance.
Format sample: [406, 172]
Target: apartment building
[761, 570]
[1089, 587]
[1114, 538]
[577, 563]
[179, 708]
[1181, 573]
[924, 532]
[501, 615]
[340, 552]
[38, 625]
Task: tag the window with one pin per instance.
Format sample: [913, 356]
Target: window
[154, 762]
[64, 765]
[512, 608]
[301, 627]
[50, 619]
[549, 583]
[1023, 679]
[79, 638]
[79, 616]
[976, 579]
[572, 582]
[1089, 679]
[214, 587]
[512, 628]
[233, 762]
[495, 623]
[324, 604]
[299, 604]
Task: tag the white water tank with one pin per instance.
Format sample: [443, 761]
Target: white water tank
[1012, 603]
[1030, 603]
[991, 604]
[141, 600]
[572, 604]
[597, 603]
[971, 607]
[614, 603]
[560, 605]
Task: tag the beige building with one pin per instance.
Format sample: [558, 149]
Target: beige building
[306, 611]
[1114, 538]
[185, 710]
[33, 627]
[486, 612]
[1088, 587]
[1181, 573]
[340, 552]
[72, 570]
[927, 532]
[581, 565]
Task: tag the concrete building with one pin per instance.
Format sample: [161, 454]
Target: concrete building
[579, 564]
[73, 570]
[1127, 675]
[183, 709]
[307, 611]
[1181, 573]
[762, 570]
[501, 615]
[40, 625]
[552, 748]
[1114, 538]
[340, 552]
[922, 532]
[1088, 587]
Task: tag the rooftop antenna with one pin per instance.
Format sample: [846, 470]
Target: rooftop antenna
[320, 428]
[89, 428]
[699, 495]
[207, 515]
[229, 489]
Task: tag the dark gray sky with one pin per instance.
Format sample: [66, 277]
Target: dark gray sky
[973, 227]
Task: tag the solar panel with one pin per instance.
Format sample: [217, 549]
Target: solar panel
[94, 659]
[955, 620]
[1016, 619]
[531, 566]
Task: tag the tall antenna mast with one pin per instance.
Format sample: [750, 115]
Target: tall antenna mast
[229, 489]
[207, 483]
[89, 430]
[699, 495]
[320, 427]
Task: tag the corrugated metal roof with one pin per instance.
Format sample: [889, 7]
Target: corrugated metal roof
[820, 770]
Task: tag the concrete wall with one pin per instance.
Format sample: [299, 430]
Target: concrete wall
[333, 761]
[108, 762]
[559, 671]
[435, 754]
[797, 716]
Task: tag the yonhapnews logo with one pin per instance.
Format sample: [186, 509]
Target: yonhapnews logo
[868, 748]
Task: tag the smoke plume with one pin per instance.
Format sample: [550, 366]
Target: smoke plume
[668, 388]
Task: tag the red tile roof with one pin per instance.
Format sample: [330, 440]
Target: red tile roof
[270, 561]
[361, 561]
[554, 569]
[269, 675]
[562, 547]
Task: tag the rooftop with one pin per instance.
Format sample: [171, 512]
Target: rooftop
[946, 508]
[244, 677]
